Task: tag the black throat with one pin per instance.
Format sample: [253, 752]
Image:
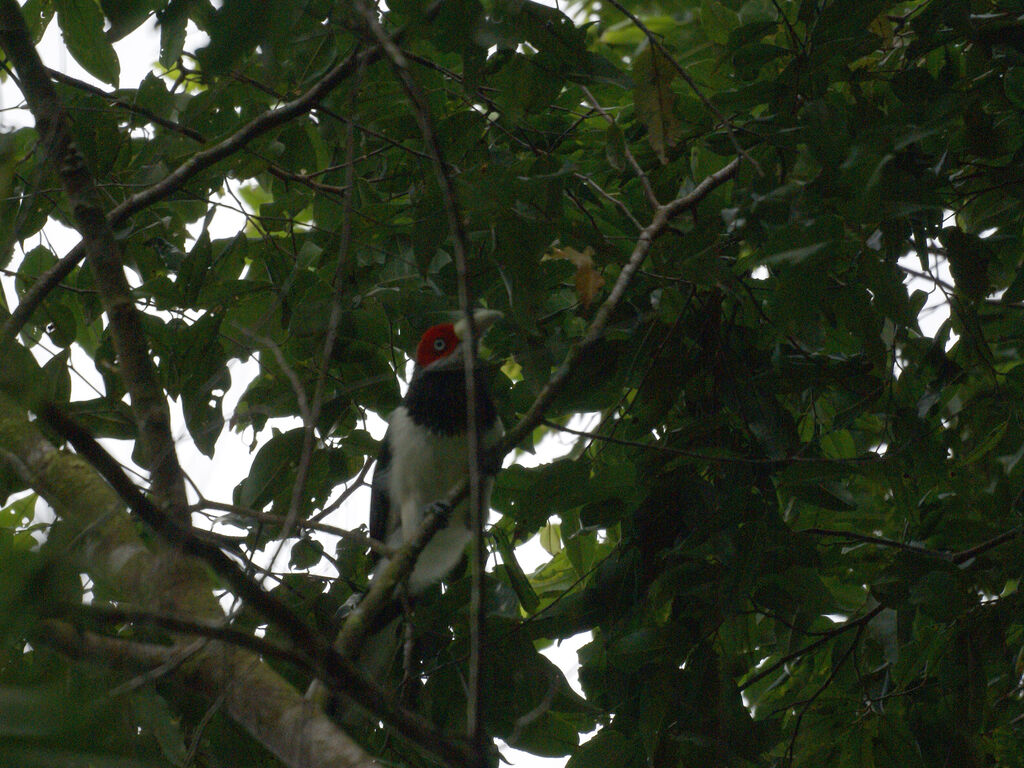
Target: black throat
[436, 400]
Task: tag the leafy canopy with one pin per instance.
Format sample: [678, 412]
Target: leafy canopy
[793, 526]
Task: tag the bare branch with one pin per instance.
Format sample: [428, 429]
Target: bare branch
[637, 168]
[801, 652]
[659, 222]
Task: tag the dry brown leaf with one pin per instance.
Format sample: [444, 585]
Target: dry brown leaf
[588, 279]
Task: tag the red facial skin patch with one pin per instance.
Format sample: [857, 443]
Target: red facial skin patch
[437, 342]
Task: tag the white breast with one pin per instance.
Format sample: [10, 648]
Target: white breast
[426, 467]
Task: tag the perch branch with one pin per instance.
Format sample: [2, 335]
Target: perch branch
[332, 666]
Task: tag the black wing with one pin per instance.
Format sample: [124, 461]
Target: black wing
[380, 502]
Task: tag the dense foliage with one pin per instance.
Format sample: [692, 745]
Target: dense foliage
[792, 526]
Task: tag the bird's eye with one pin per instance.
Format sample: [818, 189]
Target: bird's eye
[440, 344]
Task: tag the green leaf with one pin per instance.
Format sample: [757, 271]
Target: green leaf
[127, 15]
[608, 749]
[517, 578]
[81, 25]
[838, 445]
[1013, 85]
[551, 539]
[275, 461]
[306, 553]
[969, 257]
[173, 20]
[655, 100]
[38, 14]
[717, 20]
[615, 149]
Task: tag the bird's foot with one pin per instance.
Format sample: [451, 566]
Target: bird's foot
[442, 508]
[348, 606]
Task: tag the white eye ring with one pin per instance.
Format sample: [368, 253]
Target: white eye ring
[439, 345]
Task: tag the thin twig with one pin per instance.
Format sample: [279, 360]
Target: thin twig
[174, 662]
[880, 541]
[641, 174]
[797, 654]
[311, 417]
[797, 43]
[282, 362]
[821, 689]
[355, 485]
[381, 549]
[701, 455]
[610, 198]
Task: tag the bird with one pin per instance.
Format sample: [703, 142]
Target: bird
[424, 455]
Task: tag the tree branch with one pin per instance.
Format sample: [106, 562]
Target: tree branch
[261, 702]
[799, 653]
[659, 222]
[108, 614]
[361, 620]
[966, 554]
[332, 666]
[148, 402]
[135, 109]
[253, 695]
[880, 541]
[175, 180]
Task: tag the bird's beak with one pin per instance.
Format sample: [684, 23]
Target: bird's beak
[482, 320]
